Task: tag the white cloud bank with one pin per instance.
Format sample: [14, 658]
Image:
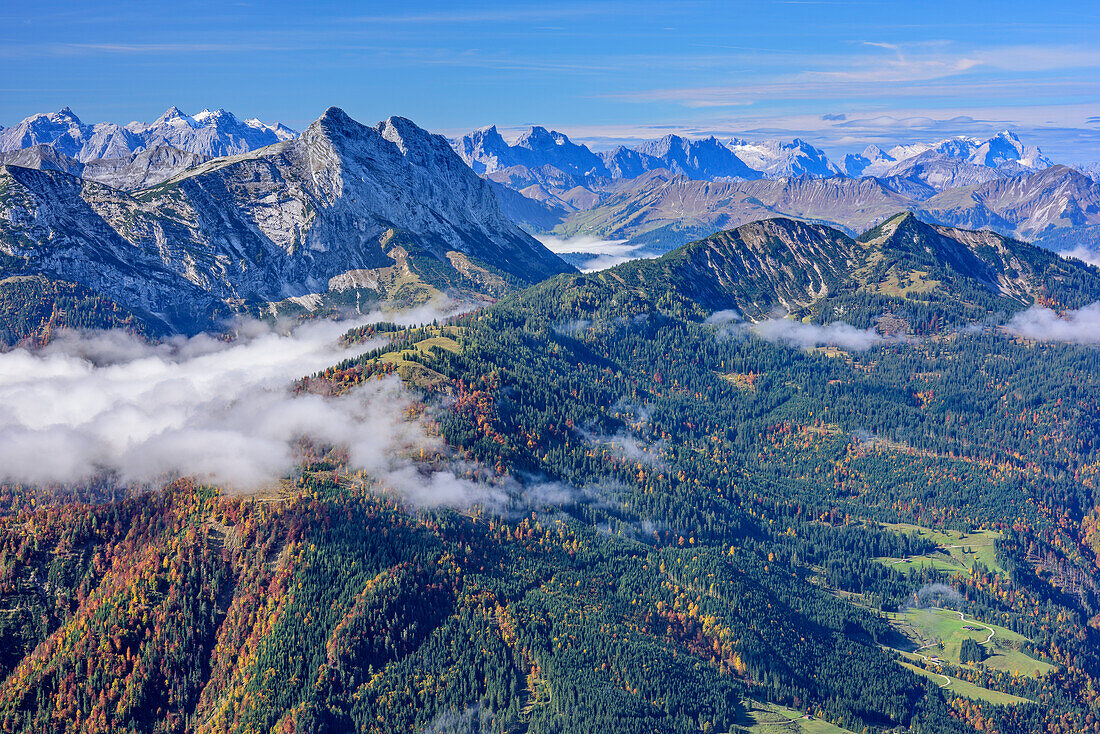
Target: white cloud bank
[793, 333]
[1042, 324]
[222, 412]
[723, 317]
[603, 253]
[798, 334]
[1084, 254]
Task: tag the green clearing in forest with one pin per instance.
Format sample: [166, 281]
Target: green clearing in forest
[957, 550]
[771, 718]
[413, 371]
[967, 689]
[932, 626]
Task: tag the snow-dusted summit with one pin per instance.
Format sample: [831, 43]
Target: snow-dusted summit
[1003, 151]
[781, 159]
[703, 159]
[486, 151]
[213, 134]
[207, 133]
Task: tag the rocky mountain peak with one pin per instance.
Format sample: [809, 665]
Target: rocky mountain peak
[662, 145]
[172, 115]
[486, 135]
[336, 119]
[207, 134]
[784, 159]
[537, 136]
[890, 226]
[411, 139]
[876, 154]
[281, 223]
[484, 150]
[218, 118]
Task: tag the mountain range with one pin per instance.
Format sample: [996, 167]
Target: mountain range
[207, 133]
[343, 211]
[224, 214]
[136, 155]
[663, 193]
[549, 158]
[658, 194]
[660, 212]
[146, 167]
[1003, 151]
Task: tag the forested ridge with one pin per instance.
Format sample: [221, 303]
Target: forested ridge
[696, 518]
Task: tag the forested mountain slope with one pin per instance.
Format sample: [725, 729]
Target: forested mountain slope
[772, 267]
[672, 516]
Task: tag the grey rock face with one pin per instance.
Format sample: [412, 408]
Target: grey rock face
[705, 159]
[272, 224]
[135, 171]
[1026, 205]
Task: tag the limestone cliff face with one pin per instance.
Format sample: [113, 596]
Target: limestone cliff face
[280, 222]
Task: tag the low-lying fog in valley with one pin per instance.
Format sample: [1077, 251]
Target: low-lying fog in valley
[222, 411]
[591, 253]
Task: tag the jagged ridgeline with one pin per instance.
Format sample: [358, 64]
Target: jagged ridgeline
[927, 276]
[344, 215]
[665, 193]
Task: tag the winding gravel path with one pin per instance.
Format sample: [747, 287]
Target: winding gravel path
[929, 660]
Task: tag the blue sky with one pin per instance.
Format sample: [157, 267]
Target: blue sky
[840, 73]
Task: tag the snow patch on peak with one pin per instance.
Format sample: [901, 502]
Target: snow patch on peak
[484, 150]
[171, 115]
[782, 159]
[209, 134]
[215, 116]
[541, 151]
[539, 137]
[1002, 150]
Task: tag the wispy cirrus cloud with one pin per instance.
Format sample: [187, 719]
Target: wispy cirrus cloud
[826, 70]
[926, 71]
[544, 12]
[65, 50]
[869, 91]
[898, 66]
